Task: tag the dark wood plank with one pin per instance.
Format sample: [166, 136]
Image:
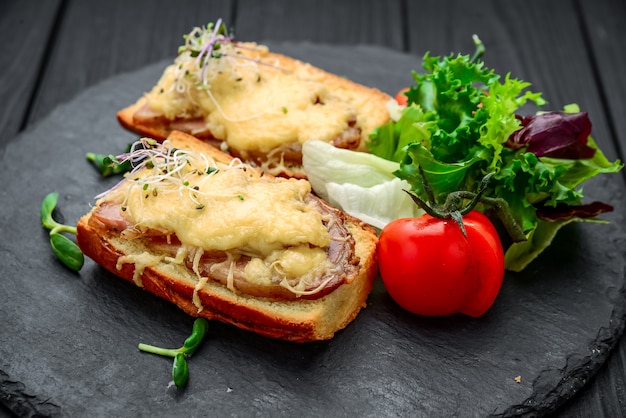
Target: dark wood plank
[100, 39]
[604, 24]
[322, 21]
[25, 27]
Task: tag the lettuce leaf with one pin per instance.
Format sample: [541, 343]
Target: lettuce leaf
[521, 254]
[361, 184]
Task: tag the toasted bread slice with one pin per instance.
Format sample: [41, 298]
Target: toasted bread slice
[302, 317]
[261, 106]
[158, 128]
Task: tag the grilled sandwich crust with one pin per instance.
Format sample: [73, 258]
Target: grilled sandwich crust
[370, 104]
[299, 320]
[158, 128]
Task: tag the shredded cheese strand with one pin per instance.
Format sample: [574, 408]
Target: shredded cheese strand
[321, 286]
[202, 280]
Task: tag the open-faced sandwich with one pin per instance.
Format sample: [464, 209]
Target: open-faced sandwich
[257, 105]
[222, 240]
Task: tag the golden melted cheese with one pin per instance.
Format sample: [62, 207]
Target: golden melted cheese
[233, 208]
[253, 104]
[303, 262]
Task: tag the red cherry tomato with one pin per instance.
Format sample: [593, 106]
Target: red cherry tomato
[429, 267]
[401, 97]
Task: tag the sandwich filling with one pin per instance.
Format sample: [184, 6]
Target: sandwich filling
[256, 234]
[263, 109]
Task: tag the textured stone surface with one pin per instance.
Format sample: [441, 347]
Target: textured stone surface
[68, 342]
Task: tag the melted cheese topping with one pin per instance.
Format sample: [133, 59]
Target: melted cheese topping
[251, 103]
[231, 208]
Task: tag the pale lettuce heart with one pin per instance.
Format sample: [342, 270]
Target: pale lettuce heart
[360, 184]
[377, 205]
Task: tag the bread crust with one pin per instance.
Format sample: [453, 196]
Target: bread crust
[300, 320]
[370, 103]
[125, 117]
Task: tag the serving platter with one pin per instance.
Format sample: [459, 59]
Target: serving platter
[68, 345]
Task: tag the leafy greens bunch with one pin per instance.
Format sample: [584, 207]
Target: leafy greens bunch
[461, 122]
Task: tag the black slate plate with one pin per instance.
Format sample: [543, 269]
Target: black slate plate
[68, 342]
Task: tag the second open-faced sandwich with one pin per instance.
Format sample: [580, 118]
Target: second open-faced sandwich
[257, 105]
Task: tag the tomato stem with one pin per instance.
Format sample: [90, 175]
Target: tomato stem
[454, 207]
[458, 218]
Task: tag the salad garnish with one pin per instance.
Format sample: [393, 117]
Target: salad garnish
[461, 122]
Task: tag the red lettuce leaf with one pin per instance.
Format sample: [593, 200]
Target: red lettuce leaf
[555, 135]
[562, 211]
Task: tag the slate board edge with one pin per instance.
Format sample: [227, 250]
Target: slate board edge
[577, 373]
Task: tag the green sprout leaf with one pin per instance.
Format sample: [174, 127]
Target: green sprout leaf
[67, 251]
[47, 207]
[108, 165]
[180, 368]
[198, 332]
[64, 248]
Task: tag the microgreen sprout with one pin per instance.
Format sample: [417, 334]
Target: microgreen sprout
[209, 46]
[109, 165]
[160, 165]
[180, 368]
[64, 248]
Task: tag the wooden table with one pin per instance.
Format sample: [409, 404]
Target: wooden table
[571, 50]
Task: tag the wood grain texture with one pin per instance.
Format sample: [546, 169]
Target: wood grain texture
[371, 22]
[100, 39]
[605, 27]
[26, 28]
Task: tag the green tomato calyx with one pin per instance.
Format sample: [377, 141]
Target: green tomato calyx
[462, 202]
